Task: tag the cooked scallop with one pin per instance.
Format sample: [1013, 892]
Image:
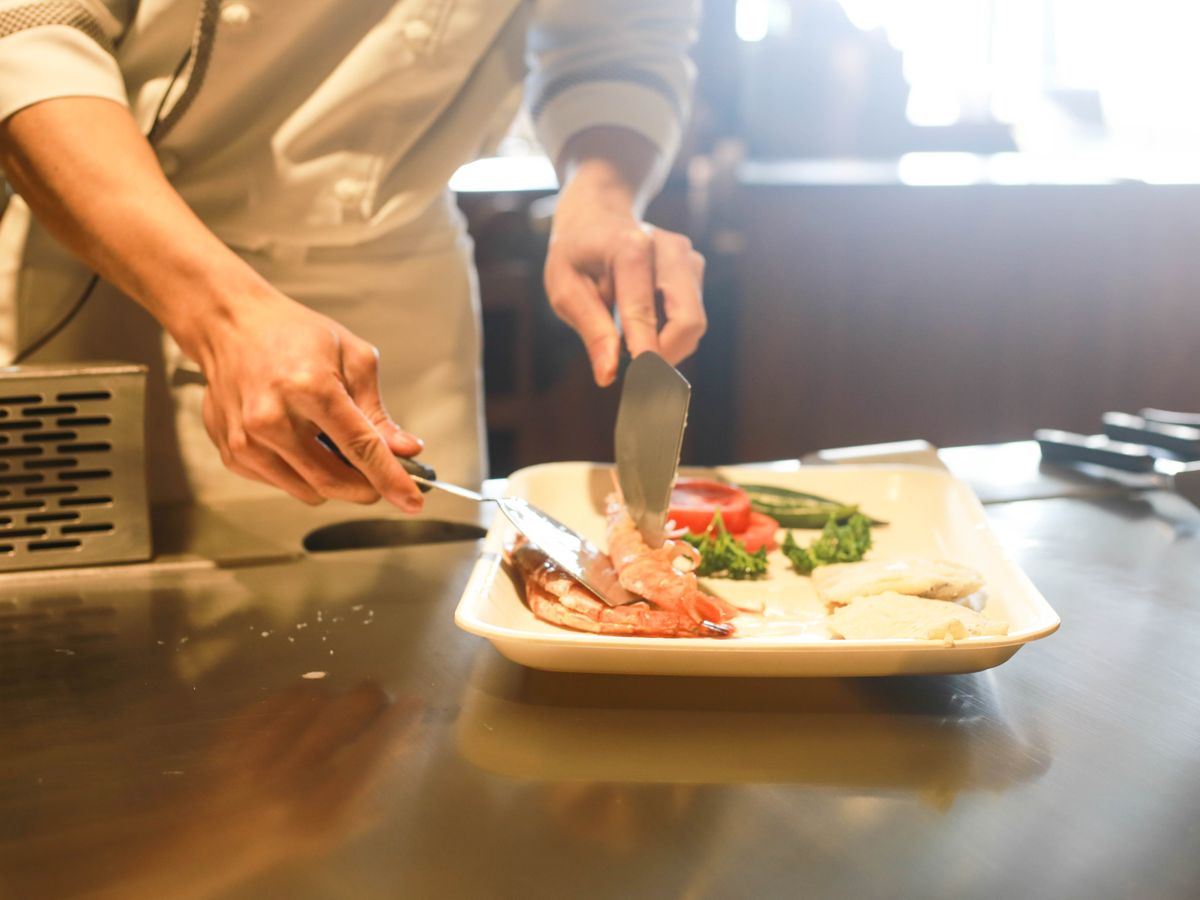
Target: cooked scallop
[893, 615]
[936, 579]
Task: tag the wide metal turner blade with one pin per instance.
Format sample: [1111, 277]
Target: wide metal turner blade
[649, 435]
[569, 550]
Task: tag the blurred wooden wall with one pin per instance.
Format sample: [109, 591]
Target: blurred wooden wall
[959, 314]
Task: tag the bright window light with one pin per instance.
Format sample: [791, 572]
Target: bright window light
[515, 173]
[752, 19]
[933, 106]
[938, 169]
[1034, 64]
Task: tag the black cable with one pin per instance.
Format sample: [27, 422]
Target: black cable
[78, 305]
[59, 325]
[151, 133]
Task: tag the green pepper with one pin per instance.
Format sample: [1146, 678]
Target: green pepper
[800, 509]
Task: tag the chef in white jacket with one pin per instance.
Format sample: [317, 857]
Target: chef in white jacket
[261, 187]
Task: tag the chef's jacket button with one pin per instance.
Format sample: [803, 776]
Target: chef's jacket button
[169, 162]
[349, 190]
[417, 30]
[235, 13]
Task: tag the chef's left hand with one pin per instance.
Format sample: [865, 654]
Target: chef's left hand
[603, 258]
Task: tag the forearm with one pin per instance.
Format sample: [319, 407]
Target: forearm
[92, 180]
[614, 167]
[277, 372]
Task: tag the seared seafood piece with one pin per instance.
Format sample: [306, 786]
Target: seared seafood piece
[555, 597]
[935, 579]
[892, 615]
[662, 576]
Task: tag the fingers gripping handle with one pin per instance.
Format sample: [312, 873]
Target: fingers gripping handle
[411, 466]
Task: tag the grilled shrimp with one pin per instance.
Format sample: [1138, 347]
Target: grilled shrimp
[662, 576]
[555, 597]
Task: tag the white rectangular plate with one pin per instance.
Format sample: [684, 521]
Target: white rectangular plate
[930, 513]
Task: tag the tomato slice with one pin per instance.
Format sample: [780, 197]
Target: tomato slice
[695, 500]
[759, 533]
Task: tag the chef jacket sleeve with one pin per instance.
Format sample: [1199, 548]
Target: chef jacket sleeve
[617, 62]
[57, 48]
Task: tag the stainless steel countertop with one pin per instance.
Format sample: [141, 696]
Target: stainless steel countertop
[158, 738]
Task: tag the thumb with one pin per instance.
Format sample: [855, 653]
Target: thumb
[401, 442]
[361, 369]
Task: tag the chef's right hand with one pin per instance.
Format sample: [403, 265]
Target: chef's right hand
[280, 374]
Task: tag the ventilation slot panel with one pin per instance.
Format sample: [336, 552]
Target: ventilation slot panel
[72, 485]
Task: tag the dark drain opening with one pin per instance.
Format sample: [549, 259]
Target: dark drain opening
[368, 533]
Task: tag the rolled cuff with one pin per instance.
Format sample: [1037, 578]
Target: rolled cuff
[55, 61]
[621, 103]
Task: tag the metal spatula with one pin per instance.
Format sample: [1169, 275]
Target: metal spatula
[566, 548]
[650, 424]
[1132, 465]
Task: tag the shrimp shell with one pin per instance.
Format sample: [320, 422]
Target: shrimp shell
[662, 576]
[555, 597]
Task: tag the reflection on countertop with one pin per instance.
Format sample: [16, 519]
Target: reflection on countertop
[179, 731]
[930, 736]
[316, 726]
[286, 778]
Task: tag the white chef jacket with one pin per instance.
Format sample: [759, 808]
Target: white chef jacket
[317, 139]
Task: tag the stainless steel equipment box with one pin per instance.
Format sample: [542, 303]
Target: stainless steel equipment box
[72, 466]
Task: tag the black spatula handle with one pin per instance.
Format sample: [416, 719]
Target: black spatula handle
[1066, 446]
[1181, 441]
[411, 466]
